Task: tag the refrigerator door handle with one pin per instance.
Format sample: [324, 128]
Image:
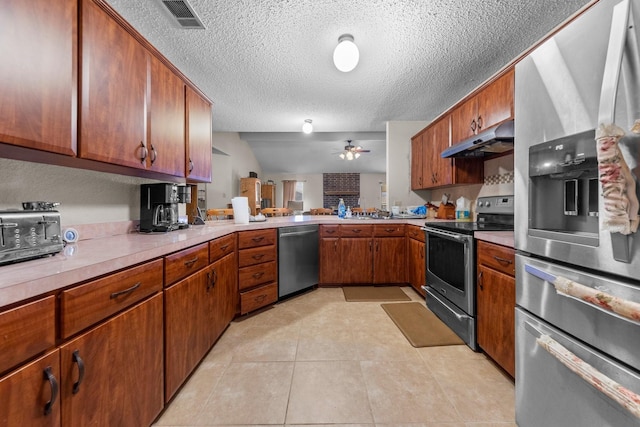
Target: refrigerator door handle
[605, 385]
[612, 305]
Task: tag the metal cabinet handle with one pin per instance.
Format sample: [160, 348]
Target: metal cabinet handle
[356, 230]
[53, 383]
[78, 361]
[115, 295]
[191, 262]
[224, 247]
[154, 154]
[212, 278]
[473, 125]
[258, 239]
[143, 152]
[258, 274]
[480, 281]
[260, 298]
[191, 165]
[479, 123]
[502, 260]
[329, 231]
[258, 257]
[389, 230]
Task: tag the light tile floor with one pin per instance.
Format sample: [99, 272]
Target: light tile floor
[318, 360]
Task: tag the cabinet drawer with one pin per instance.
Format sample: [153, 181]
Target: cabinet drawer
[356, 230]
[181, 264]
[251, 239]
[385, 230]
[90, 303]
[498, 257]
[329, 230]
[249, 277]
[26, 331]
[258, 255]
[415, 232]
[259, 297]
[221, 247]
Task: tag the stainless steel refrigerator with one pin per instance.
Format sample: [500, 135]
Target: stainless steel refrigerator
[578, 261]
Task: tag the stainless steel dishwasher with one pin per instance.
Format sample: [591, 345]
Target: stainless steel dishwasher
[297, 258]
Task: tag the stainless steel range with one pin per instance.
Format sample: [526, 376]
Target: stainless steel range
[451, 264]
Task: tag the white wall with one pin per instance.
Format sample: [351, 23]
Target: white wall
[399, 135]
[370, 184]
[227, 169]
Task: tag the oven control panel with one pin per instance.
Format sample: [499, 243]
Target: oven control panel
[495, 204]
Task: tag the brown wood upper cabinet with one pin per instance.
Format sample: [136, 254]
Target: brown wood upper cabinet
[37, 78]
[199, 129]
[490, 106]
[113, 122]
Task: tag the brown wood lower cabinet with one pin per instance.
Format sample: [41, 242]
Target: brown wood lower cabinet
[496, 301]
[112, 374]
[258, 272]
[416, 267]
[354, 255]
[28, 396]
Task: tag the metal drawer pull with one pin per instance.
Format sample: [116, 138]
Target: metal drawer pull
[258, 239]
[53, 383]
[389, 230]
[258, 275]
[622, 308]
[126, 291]
[502, 260]
[78, 361]
[191, 262]
[622, 395]
[258, 257]
[224, 247]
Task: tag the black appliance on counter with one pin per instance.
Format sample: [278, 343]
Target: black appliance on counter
[30, 233]
[159, 206]
[451, 264]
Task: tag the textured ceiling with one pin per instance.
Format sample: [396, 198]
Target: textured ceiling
[267, 64]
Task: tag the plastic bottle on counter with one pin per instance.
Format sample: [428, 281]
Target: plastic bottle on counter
[341, 209]
[348, 214]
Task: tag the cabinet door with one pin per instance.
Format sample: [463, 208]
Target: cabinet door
[199, 133]
[38, 79]
[416, 269]
[330, 258]
[389, 260]
[496, 303]
[495, 102]
[357, 260]
[112, 375]
[113, 126]
[224, 289]
[442, 170]
[188, 306]
[30, 394]
[464, 120]
[166, 121]
[416, 162]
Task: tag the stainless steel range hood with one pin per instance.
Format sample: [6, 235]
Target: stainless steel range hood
[497, 139]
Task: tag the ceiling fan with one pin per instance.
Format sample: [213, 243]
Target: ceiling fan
[352, 152]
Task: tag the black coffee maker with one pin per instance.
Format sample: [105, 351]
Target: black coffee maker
[159, 206]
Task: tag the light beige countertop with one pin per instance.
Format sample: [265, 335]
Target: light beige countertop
[91, 258]
[504, 238]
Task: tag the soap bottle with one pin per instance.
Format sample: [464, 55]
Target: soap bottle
[341, 209]
[348, 215]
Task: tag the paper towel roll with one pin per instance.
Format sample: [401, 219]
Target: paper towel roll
[240, 210]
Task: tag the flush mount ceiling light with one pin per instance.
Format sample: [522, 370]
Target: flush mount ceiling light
[346, 55]
[307, 127]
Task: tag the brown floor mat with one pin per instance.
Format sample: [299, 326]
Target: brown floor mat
[374, 293]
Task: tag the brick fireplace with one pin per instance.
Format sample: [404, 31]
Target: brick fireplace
[340, 185]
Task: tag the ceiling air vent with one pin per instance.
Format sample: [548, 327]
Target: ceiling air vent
[183, 14]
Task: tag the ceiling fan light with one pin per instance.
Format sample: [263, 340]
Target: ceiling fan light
[307, 127]
[357, 155]
[349, 155]
[342, 156]
[346, 55]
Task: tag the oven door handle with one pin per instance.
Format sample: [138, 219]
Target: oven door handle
[432, 294]
[462, 238]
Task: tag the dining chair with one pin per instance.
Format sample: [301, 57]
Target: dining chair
[219, 214]
[276, 211]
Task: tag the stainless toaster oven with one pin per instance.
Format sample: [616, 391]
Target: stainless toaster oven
[27, 234]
